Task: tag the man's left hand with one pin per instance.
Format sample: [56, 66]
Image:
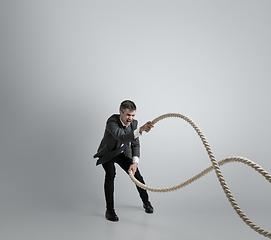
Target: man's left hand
[133, 167]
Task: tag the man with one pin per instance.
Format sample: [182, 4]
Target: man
[120, 144]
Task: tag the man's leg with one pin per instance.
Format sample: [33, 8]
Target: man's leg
[110, 173]
[125, 163]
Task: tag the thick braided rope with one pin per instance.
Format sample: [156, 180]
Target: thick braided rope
[215, 166]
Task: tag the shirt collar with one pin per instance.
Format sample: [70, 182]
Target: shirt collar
[122, 123]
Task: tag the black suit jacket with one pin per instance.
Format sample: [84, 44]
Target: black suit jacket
[115, 136]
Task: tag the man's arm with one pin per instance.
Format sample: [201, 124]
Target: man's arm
[146, 127]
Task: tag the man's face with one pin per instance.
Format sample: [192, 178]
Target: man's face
[127, 116]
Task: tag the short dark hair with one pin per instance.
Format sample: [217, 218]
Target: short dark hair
[127, 104]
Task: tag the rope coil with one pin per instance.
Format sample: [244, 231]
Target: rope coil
[215, 166]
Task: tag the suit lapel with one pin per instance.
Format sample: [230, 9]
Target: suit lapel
[128, 129]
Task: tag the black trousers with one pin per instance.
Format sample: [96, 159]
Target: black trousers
[110, 173]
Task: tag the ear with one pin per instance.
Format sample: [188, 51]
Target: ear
[121, 112]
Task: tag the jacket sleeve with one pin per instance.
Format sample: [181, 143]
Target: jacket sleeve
[112, 126]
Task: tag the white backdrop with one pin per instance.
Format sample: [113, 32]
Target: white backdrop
[66, 66]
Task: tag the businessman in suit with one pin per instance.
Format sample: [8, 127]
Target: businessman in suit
[120, 144]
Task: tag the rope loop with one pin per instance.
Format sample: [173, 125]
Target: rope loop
[215, 166]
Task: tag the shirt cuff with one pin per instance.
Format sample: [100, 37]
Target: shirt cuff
[136, 159]
[136, 133]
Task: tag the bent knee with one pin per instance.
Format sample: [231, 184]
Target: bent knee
[110, 175]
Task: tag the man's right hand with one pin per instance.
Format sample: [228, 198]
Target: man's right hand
[146, 127]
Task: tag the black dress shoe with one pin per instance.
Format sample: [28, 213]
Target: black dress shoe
[148, 207]
[111, 215]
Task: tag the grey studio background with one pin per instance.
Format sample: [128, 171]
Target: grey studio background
[66, 66]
